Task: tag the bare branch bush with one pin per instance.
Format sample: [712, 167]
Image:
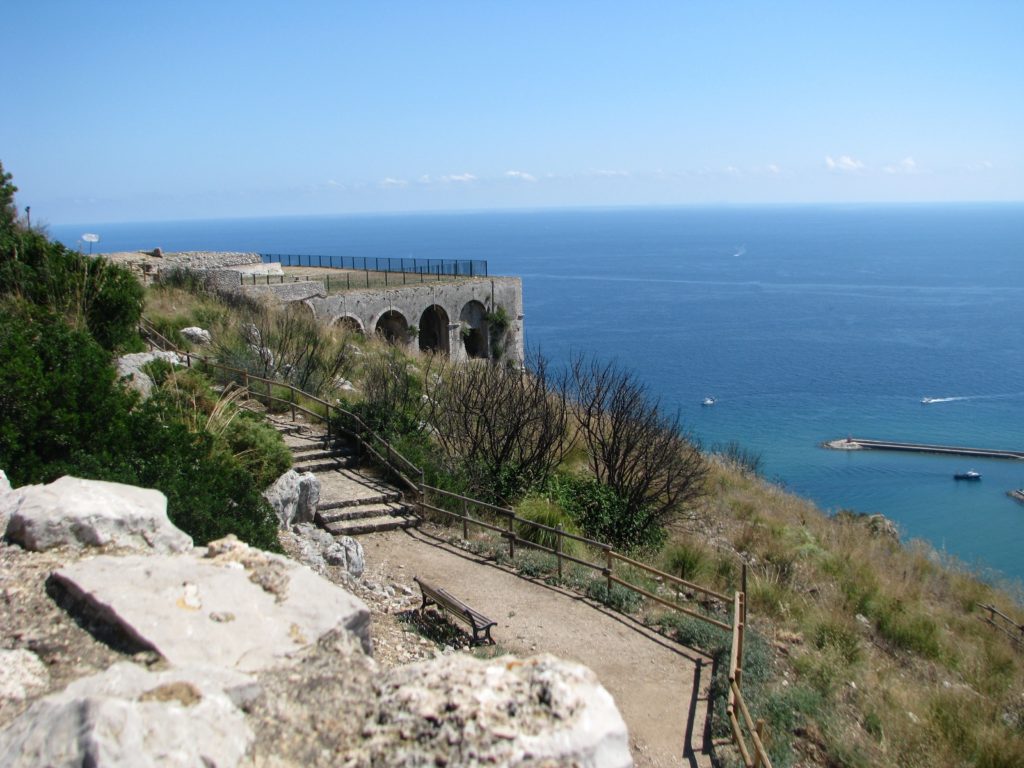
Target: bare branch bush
[503, 429]
[634, 448]
[290, 345]
[392, 401]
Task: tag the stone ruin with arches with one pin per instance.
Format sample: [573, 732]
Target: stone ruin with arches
[466, 319]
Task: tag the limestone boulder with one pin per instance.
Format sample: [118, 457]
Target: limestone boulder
[318, 549]
[90, 513]
[196, 335]
[22, 674]
[127, 716]
[232, 605]
[129, 369]
[455, 710]
[5, 484]
[294, 497]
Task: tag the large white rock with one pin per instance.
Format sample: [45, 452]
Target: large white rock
[129, 369]
[5, 484]
[294, 497]
[129, 717]
[464, 711]
[196, 335]
[90, 513]
[242, 608]
[5, 512]
[22, 674]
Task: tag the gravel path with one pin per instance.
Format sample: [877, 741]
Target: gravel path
[652, 679]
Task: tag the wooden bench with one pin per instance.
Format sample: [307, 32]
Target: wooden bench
[476, 621]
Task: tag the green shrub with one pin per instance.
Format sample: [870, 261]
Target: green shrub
[602, 514]
[694, 633]
[258, 447]
[540, 510]
[684, 559]
[619, 598]
[840, 636]
[58, 398]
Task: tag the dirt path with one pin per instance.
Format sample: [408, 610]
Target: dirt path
[659, 686]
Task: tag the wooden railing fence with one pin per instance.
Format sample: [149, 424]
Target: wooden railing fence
[1003, 623]
[505, 522]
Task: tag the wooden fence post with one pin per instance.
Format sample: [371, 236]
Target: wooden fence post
[759, 730]
[558, 549]
[465, 520]
[608, 559]
[512, 537]
[291, 398]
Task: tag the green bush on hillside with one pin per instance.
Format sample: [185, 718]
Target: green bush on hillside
[602, 514]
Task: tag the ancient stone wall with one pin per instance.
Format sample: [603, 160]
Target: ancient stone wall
[459, 318]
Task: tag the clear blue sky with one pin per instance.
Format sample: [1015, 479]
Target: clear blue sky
[117, 111]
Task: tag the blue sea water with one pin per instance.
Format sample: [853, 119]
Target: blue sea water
[806, 323]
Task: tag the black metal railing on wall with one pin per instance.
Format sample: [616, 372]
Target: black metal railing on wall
[453, 267]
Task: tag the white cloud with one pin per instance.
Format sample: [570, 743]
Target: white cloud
[332, 183]
[906, 165]
[390, 182]
[732, 170]
[611, 174]
[984, 165]
[773, 168]
[424, 179]
[843, 163]
[459, 177]
[521, 175]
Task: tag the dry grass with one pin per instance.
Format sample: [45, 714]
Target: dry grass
[888, 637]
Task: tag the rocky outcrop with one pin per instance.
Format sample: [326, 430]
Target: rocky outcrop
[70, 512]
[256, 661]
[294, 497]
[21, 674]
[231, 606]
[196, 335]
[457, 710]
[129, 369]
[133, 718]
[318, 549]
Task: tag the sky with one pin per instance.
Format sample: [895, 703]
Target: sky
[145, 111]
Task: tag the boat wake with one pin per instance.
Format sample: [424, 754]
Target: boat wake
[933, 400]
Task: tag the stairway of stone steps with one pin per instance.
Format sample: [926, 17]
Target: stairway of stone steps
[352, 502]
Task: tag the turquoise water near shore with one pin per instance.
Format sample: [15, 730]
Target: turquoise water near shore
[807, 324]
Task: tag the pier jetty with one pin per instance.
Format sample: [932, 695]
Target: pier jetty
[865, 444]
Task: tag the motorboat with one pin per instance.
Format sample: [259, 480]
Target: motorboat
[968, 475]
[929, 400]
[708, 401]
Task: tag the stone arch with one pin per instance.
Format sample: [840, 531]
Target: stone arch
[349, 323]
[434, 330]
[393, 326]
[473, 319]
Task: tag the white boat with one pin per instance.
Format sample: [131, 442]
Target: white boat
[929, 400]
[970, 474]
[709, 401]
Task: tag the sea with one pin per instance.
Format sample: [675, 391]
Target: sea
[805, 323]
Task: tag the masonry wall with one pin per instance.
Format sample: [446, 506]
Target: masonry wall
[463, 305]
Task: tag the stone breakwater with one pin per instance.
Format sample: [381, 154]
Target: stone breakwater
[123, 644]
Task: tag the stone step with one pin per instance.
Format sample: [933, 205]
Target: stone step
[385, 497]
[338, 462]
[360, 512]
[321, 453]
[371, 525]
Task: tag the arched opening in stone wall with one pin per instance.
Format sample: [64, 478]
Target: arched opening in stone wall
[349, 324]
[473, 318]
[434, 330]
[393, 327]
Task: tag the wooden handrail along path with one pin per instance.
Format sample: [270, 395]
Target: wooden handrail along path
[742, 726]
